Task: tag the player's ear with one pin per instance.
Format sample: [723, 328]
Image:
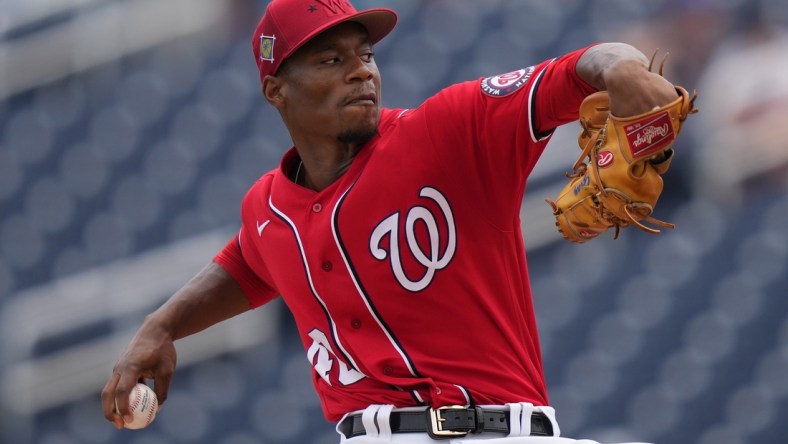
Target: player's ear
[273, 90]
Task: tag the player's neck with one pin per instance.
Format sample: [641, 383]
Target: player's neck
[317, 170]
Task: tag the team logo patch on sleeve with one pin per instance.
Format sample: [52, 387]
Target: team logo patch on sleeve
[505, 84]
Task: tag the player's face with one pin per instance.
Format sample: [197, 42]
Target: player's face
[332, 86]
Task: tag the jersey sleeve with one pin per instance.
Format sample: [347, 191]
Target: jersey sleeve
[488, 134]
[533, 100]
[558, 94]
[231, 258]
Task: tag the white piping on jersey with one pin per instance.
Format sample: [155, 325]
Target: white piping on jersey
[414, 393]
[403, 112]
[464, 393]
[358, 287]
[312, 285]
[531, 102]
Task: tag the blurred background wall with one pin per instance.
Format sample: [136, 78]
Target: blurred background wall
[130, 130]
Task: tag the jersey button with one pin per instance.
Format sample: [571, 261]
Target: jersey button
[327, 266]
[388, 370]
[316, 207]
[355, 323]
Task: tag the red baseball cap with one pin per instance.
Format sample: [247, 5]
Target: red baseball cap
[289, 24]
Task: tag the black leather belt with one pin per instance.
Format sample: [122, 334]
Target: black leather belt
[449, 422]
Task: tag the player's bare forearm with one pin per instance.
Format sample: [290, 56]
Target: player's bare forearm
[209, 298]
[622, 70]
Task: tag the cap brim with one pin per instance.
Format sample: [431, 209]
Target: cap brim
[378, 21]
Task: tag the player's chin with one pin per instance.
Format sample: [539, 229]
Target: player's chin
[359, 135]
[360, 130]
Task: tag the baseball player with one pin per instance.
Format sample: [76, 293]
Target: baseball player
[393, 235]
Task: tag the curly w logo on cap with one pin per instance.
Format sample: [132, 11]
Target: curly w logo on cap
[335, 6]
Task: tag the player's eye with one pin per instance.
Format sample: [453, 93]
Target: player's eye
[368, 56]
[330, 60]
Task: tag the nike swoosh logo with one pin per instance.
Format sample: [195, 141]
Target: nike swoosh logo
[260, 227]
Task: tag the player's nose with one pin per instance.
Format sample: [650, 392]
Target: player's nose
[361, 70]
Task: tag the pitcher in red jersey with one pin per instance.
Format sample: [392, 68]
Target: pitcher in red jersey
[393, 235]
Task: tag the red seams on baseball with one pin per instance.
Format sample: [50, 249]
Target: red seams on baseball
[143, 406]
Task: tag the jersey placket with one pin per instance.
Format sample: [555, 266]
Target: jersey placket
[358, 326]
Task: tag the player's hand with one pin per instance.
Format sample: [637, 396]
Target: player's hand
[634, 90]
[150, 355]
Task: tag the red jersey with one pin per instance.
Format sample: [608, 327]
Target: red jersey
[407, 277]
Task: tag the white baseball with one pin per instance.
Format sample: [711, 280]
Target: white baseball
[143, 406]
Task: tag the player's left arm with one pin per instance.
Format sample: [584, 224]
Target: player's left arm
[628, 130]
[623, 71]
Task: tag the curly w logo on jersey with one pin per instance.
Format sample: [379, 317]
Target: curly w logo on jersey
[432, 257]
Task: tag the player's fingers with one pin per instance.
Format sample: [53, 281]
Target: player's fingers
[161, 382]
[127, 381]
[108, 401]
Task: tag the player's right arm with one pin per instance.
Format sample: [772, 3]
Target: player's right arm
[212, 296]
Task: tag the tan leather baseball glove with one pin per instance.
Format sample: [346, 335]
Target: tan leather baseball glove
[617, 181]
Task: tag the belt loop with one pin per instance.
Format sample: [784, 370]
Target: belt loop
[525, 418]
[479, 420]
[384, 422]
[368, 419]
[515, 411]
[550, 413]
